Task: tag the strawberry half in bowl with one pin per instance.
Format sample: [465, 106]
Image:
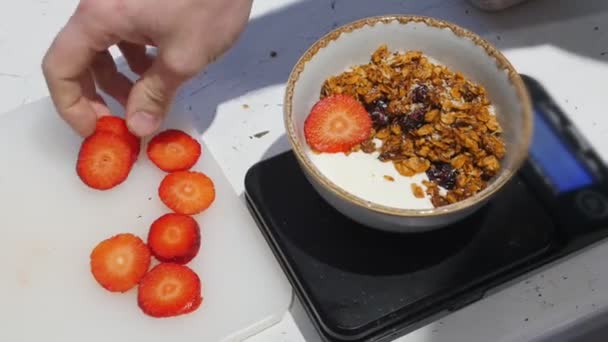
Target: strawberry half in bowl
[406, 123]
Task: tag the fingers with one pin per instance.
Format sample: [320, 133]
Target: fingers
[136, 57]
[152, 94]
[150, 99]
[65, 67]
[109, 79]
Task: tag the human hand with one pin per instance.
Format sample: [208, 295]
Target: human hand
[189, 34]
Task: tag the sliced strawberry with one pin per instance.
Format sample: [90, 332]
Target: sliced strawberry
[118, 125]
[187, 192]
[119, 262]
[104, 160]
[336, 124]
[174, 238]
[173, 150]
[169, 290]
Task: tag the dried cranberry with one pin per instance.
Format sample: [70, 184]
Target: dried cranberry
[414, 120]
[434, 103]
[379, 119]
[417, 116]
[443, 174]
[401, 120]
[468, 96]
[420, 94]
[377, 112]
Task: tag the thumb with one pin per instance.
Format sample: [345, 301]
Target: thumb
[151, 97]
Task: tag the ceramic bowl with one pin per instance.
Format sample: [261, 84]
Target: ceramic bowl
[345, 186]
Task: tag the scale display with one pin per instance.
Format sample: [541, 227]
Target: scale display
[557, 161]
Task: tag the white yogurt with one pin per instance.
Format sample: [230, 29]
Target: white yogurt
[362, 175]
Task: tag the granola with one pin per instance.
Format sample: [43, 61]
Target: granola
[389, 178]
[426, 118]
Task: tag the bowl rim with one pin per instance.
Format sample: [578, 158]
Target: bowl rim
[492, 52]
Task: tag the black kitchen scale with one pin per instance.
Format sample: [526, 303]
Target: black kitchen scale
[361, 284]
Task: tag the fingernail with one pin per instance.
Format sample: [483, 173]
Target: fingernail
[142, 123]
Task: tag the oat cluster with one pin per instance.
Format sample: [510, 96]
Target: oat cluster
[426, 118]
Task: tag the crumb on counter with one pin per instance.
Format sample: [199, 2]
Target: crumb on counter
[260, 134]
[389, 178]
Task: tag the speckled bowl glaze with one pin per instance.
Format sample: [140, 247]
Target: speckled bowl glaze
[444, 42]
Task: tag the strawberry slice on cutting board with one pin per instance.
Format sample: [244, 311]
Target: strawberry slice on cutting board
[173, 150]
[187, 192]
[104, 160]
[169, 290]
[174, 238]
[337, 123]
[119, 262]
[118, 126]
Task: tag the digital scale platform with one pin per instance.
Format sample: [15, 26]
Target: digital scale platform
[361, 284]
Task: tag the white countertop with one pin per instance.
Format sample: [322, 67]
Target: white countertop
[562, 43]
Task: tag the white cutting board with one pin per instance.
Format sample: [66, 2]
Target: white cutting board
[50, 221]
